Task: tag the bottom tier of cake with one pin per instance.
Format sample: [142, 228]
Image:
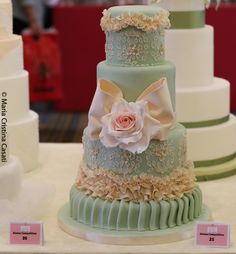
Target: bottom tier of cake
[10, 179]
[24, 140]
[221, 170]
[134, 216]
[212, 145]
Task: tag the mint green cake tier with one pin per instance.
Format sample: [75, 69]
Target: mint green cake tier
[134, 47]
[147, 10]
[160, 159]
[131, 46]
[134, 216]
[134, 80]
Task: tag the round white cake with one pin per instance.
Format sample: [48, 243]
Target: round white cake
[191, 50]
[202, 100]
[22, 123]
[10, 178]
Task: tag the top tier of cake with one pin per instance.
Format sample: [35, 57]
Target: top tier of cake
[185, 14]
[13, 78]
[182, 5]
[5, 18]
[11, 48]
[135, 35]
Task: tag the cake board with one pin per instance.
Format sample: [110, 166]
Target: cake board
[70, 226]
[216, 171]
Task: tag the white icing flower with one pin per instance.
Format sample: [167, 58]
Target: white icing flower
[129, 126]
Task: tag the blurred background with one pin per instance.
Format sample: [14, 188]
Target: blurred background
[63, 43]
[117, 2]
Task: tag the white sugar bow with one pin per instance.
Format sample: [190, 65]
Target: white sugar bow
[130, 126]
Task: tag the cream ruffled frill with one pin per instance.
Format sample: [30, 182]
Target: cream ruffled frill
[138, 20]
[107, 185]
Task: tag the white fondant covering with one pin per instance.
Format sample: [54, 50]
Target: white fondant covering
[200, 96]
[23, 199]
[24, 140]
[5, 18]
[11, 56]
[203, 103]
[182, 5]
[213, 142]
[191, 50]
[22, 123]
[10, 178]
[16, 87]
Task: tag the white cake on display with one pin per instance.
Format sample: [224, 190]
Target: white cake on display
[10, 167]
[19, 199]
[22, 123]
[202, 100]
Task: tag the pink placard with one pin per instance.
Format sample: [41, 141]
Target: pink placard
[212, 234]
[26, 233]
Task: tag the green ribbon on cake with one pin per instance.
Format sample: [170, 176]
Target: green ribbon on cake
[206, 123]
[213, 172]
[214, 162]
[187, 19]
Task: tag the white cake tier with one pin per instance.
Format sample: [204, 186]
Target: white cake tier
[211, 143]
[203, 103]
[5, 18]
[11, 56]
[10, 179]
[191, 50]
[24, 140]
[182, 5]
[17, 95]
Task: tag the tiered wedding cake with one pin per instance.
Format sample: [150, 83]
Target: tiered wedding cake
[22, 123]
[202, 100]
[134, 175]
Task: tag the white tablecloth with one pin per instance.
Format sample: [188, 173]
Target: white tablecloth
[59, 165]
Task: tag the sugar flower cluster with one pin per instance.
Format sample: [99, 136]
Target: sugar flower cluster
[138, 20]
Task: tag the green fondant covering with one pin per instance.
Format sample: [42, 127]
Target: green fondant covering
[206, 123]
[147, 10]
[86, 232]
[135, 60]
[187, 19]
[160, 158]
[139, 216]
[134, 80]
[131, 46]
[134, 47]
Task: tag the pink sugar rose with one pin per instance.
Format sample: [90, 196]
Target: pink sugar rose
[129, 126]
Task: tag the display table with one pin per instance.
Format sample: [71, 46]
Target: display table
[59, 165]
